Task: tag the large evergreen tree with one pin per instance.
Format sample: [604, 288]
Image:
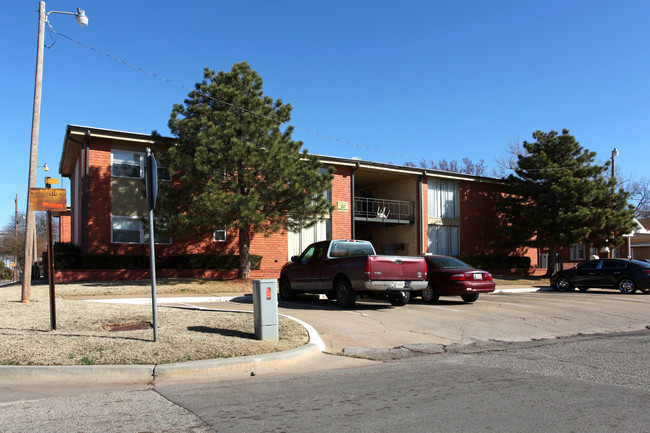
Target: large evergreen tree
[236, 167]
[558, 197]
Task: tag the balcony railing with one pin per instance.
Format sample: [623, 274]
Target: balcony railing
[382, 210]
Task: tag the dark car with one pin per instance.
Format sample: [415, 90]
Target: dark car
[448, 276]
[622, 274]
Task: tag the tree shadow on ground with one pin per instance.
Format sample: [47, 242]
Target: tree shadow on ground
[221, 331]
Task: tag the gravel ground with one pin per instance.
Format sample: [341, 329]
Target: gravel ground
[94, 333]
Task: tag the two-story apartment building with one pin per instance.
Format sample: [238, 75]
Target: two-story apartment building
[402, 210]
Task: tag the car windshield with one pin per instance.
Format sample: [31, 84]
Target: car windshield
[450, 263]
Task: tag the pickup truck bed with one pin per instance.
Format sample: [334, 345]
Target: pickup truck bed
[343, 269]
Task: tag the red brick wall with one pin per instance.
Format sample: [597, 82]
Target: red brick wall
[479, 220]
[99, 197]
[478, 217]
[65, 233]
[342, 192]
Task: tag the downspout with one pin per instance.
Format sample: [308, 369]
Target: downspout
[84, 223]
[354, 230]
[83, 181]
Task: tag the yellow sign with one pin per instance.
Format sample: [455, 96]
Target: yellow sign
[342, 206]
[50, 199]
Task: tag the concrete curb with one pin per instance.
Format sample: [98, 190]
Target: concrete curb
[506, 289]
[230, 366]
[19, 374]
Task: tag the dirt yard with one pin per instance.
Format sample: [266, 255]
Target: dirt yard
[100, 333]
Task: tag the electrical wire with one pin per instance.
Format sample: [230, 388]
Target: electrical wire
[167, 80]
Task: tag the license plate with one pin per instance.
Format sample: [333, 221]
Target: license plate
[478, 276]
[398, 284]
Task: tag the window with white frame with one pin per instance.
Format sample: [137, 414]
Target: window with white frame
[442, 198]
[135, 230]
[443, 240]
[577, 252]
[131, 164]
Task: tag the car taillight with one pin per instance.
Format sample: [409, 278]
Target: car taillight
[457, 277]
[366, 268]
[646, 271]
[487, 276]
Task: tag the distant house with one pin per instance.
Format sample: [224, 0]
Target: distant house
[402, 210]
[638, 242]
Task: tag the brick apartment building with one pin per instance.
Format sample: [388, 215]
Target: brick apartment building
[401, 210]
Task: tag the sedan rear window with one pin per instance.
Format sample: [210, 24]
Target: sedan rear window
[449, 263]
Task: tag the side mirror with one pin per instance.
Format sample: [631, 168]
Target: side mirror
[295, 259]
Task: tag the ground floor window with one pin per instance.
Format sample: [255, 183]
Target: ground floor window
[443, 239]
[135, 230]
[577, 252]
[220, 235]
[300, 240]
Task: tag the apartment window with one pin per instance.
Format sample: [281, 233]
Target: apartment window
[443, 198]
[577, 252]
[443, 240]
[127, 163]
[126, 230]
[135, 230]
[220, 235]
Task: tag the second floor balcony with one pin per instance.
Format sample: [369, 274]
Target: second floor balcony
[383, 210]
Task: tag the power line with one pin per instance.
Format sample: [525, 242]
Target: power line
[160, 77]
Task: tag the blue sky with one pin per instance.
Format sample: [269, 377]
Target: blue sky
[392, 81]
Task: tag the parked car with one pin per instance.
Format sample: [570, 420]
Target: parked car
[342, 269]
[448, 276]
[622, 274]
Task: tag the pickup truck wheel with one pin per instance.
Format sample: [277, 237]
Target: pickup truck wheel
[429, 294]
[286, 294]
[400, 299]
[469, 297]
[345, 296]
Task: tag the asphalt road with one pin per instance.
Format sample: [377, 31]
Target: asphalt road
[598, 381]
[494, 317]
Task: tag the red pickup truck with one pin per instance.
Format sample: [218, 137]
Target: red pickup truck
[342, 269]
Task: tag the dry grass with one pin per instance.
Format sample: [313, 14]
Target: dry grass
[84, 336]
[516, 280]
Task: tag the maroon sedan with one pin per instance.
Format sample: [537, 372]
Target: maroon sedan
[449, 276]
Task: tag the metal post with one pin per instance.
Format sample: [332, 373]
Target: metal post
[50, 269]
[152, 261]
[16, 242]
[33, 156]
[152, 189]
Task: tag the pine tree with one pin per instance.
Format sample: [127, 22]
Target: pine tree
[235, 166]
[558, 197]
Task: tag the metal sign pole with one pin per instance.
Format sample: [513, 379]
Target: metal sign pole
[152, 190]
[152, 261]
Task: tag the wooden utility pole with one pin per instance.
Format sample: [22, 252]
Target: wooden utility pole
[30, 223]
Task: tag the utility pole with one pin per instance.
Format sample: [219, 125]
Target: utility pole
[30, 223]
[16, 241]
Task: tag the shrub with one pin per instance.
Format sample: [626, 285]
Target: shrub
[71, 258]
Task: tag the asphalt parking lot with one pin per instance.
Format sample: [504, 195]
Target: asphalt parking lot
[499, 316]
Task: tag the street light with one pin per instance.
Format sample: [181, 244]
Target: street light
[82, 20]
[614, 155]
